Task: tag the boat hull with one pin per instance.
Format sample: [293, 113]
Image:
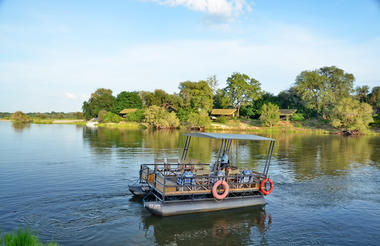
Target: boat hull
[139, 190]
[170, 208]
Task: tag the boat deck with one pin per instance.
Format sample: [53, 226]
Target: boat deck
[165, 179]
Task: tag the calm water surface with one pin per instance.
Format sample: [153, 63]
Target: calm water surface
[70, 185]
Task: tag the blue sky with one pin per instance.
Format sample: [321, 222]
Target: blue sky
[54, 54]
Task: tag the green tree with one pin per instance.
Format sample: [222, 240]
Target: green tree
[221, 100]
[361, 93]
[101, 115]
[137, 116]
[320, 89]
[270, 114]
[20, 117]
[101, 99]
[160, 118]
[183, 114]
[159, 97]
[212, 83]
[126, 99]
[241, 89]
[199, 120]
[108, 117]
[162, 99]
[253, 110]
[78, 115]
[350, 114]
[374, 98]
[196, 95]
[147, 98]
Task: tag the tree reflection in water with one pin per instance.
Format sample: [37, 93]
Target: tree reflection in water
[19, 126]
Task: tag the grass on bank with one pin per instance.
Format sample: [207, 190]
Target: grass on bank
[255, 125]
[23, 237]
[124, 125]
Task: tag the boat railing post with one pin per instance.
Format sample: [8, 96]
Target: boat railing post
[163, 192]
[155, 179]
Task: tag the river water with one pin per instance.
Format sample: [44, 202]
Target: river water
[69, 184]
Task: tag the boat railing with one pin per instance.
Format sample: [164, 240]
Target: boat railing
[170, 179]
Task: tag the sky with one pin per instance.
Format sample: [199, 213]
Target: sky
[54, 54]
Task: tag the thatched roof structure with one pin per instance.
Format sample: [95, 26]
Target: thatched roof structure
[227, 112]
[287, 112]
[128, 110]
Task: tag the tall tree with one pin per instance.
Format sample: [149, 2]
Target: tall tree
[351, 115]
[270, 114]
[241, 89]
[100, 99]
[213, 83]
[221, 100]
[374, 98]
[321, 88]
[196, 95]
[161, 98]
[361, 93]
[126, 99]
[253, 110]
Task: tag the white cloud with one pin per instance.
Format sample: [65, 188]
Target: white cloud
[70, 95]
[225, 8]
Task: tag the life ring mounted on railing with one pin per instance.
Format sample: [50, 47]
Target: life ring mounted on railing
[215, 189]
[263, 186]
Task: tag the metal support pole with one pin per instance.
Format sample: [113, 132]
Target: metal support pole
[229, 146]
[220, 150]
[217, 164]
[269, 157]
[186, 148]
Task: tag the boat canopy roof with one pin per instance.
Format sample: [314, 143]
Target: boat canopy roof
[228, 136]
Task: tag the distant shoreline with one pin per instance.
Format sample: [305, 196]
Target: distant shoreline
[238, 126]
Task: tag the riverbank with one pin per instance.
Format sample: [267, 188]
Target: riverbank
[313, 126]
[282, 126]
[52, 121]
[238, 125]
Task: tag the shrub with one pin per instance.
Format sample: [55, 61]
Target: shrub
[136, 116]
[298, 117]
[19, 116]
[199, 120]
[22, 237]
[112, 118]
[270, 114]
[222, 119]
[183, 114]
[101, 115]
[160, 118]
[351, 115]
[108, 117]
[376, 118]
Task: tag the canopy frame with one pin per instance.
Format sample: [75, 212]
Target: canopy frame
[226, 143]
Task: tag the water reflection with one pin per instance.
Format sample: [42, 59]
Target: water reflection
[232, 227]
[310, 156]
[315, 156]
[19, 126]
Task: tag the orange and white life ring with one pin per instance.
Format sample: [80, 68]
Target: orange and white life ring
[215, 189]
[263, 186]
